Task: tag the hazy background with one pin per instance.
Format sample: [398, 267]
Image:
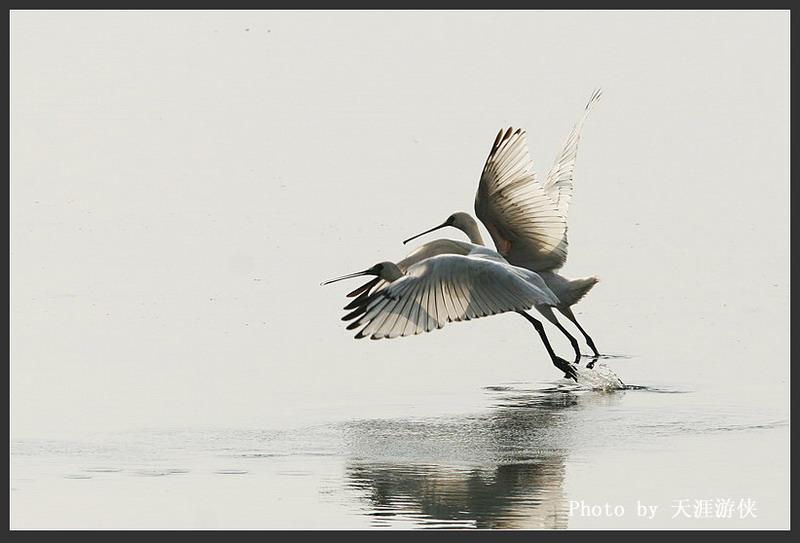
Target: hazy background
[182, 181]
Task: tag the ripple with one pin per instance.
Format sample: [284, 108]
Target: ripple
[498, 388]
[161, 472]
[656, 389]
[611, 356]
[258, 455]
[151, 472]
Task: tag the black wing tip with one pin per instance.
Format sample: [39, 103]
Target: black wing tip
[353, 314]
[365, 287]
[362, 300]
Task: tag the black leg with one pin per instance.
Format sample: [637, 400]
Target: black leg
[547, 312]
[574, 342]
[560, 363]
[567, 312]
[589, 341]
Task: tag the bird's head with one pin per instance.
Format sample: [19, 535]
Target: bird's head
[388, 271]
[462, 221]
[459, 219]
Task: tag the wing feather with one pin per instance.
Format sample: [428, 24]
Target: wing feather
[443, 289]
[365, 287]
[393, 313]
[523, 221]
[398, 324]
[527, 219]
[464, 300]
[452, 296]
[558, 183]
[481, 302]
[372, 311]
[411, 309]
[378, 321]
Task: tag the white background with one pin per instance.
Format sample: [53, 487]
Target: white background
[182, 181]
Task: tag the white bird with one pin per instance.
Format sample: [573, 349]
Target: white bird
[527, 219]
[446, 281]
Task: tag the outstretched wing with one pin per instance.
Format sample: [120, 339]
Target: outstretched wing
[526, 225]
[558, 184]
[432, 248]
[443, 289]
[528, 219]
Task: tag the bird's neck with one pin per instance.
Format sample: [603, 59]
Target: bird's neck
[391, 272]
[474, 235]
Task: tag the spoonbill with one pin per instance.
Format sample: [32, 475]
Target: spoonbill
[527, 219]
[446, 281]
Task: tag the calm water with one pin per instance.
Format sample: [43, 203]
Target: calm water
[176, 203]
[531, 456]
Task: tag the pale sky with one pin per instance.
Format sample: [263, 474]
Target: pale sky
[182, 181]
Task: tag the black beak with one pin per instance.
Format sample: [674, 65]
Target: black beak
[371, 271]
[446, 223]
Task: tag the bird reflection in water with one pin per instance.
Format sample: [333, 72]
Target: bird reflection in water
[500, 470]
[524, 495]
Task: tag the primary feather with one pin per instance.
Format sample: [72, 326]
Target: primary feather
[447, 288]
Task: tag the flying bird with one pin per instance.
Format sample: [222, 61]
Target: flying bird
[527, 218]
[447, 281]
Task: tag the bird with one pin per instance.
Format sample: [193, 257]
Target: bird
[527, 219]
[446, 281]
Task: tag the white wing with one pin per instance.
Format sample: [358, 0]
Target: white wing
[432, 248]
[528, 219]
[558, 184]
[443, 289]
[526, 225]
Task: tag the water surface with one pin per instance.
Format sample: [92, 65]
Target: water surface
[533, 457]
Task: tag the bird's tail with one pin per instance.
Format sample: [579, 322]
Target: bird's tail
[575, 289]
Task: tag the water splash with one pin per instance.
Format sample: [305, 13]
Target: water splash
[599, 377]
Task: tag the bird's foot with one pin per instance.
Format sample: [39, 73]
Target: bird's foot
[595, 358]
[567, 368]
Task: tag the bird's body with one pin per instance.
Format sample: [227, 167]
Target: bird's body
[446, 281]
[569, 291]
[527, 219]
